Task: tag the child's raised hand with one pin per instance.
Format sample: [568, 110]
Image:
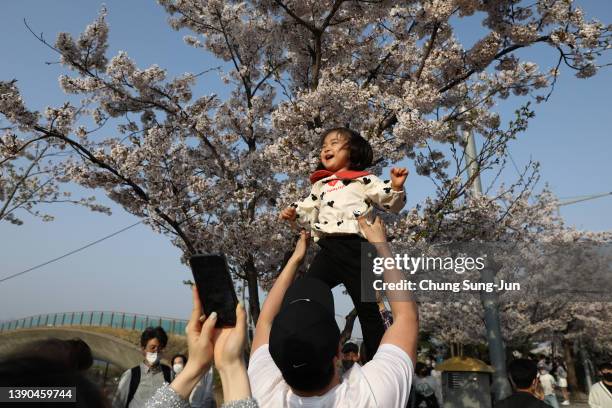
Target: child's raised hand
[398, 177]
[288, 214]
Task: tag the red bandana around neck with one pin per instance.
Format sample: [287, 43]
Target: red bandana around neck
[340, 175]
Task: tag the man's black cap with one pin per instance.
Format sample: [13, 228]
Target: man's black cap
[304, 337]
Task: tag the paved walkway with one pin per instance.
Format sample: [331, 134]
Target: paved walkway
[575, 405]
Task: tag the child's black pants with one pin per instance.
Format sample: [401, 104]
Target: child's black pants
[339, 261]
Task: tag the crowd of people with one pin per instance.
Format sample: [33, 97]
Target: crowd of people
[296, 357]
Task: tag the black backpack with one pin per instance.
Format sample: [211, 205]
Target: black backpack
[135, 381]
[425, 396]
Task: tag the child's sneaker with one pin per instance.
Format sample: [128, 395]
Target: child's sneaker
[566, 402]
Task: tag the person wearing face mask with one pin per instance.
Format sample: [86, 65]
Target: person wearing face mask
[548, 387]
[601, 392]
[523, 375]
[140, 383]
[202, 395]
[350, 356]
[178, 363]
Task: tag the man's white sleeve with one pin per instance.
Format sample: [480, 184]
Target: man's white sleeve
[390, 376]
[264, 376]
[594, 396]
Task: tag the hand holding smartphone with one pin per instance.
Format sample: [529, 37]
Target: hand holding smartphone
[215, 287]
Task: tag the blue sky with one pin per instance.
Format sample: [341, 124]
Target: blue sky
[139, 271]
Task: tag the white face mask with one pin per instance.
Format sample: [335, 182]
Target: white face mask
[152, 358]
[177, 368]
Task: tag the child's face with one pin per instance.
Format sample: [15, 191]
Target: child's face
[335, 152]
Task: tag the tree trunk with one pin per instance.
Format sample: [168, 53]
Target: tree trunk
[572, 380]
[251, 273]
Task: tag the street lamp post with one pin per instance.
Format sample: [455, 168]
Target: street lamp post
[497, 350]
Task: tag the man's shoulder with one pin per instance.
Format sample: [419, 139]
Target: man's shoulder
[127, 373]
[266, 380]
[522, 399]
[389, 375]
[390, 351]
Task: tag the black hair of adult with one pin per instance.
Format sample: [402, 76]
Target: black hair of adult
[360, 150]
[83, 357]
[421, 369]
[74, 353]
[522, 372]
[350, 347]
[27, 371]
[154, 333]
[605, 366]
[184, 357]
[310, 383]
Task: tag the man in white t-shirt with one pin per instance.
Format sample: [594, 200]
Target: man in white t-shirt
[296, 346]
[548, 387]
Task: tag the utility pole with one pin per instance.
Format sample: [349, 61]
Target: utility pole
[497, 349]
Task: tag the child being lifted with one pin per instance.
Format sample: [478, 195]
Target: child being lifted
[342, 191]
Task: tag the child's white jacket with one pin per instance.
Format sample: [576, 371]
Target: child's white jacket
[337, 200]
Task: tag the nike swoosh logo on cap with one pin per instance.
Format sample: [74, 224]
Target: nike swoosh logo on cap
[299, 365]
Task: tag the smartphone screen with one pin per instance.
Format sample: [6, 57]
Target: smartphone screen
[215, 287]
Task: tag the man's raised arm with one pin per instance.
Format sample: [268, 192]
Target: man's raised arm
[274, 299]
[405, 328]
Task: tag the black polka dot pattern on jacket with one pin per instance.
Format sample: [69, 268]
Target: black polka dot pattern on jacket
[335, 207]
[294, 205]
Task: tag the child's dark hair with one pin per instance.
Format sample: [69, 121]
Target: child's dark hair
[360, 155]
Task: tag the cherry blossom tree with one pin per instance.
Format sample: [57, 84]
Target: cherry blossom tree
[212, 173]
[31, 171]
[555, 257]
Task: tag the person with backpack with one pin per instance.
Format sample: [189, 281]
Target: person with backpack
[140, 383]
[426, 390]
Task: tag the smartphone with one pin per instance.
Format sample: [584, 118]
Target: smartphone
[215, 287]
